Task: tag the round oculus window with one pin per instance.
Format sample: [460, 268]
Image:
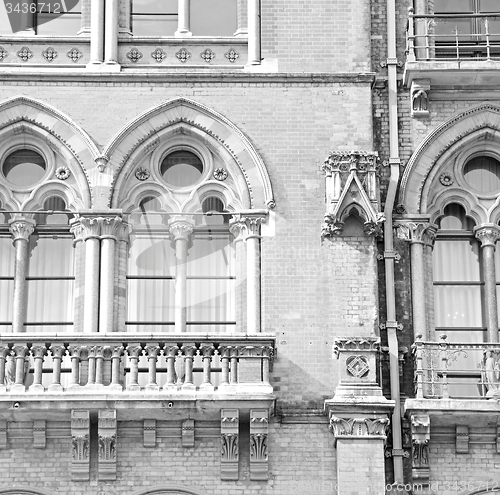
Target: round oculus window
[483, 174]
[181, 168]
[24, 168]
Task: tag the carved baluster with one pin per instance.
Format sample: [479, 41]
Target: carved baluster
[99, 366]
[207, 351]
[4, 352]
[91, 359]
[58, 351]
[38, 351]
[134, 350]
[20, 351]
[234, 365]
[224, 351]
[170, 352]
[75, 353]
[152, 351]
[116, 354]
[189, 351]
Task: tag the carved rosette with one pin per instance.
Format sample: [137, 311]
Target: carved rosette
[229, 443]
[487, 235]
[421, 435]
[107, 444]
[352, 189]
[259, 422]
[80, 434]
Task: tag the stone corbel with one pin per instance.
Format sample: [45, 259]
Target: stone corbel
[421, 435]
[359, 427]
[107, 445]
[39, 434]
[259, 421]
[102, 163]
[150, 433]
[229, 444]
[352, 189]
[419, 92]
[187, 433]
[80, 445]
[462, 440]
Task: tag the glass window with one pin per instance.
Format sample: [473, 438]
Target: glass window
[213, 17]
[24, 168]
[181, 168]
[154, 18]
[483, 174]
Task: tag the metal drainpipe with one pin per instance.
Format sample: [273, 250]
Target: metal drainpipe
[394, 162]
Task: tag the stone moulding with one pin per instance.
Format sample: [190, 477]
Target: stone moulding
[230, 419]
[352, 189]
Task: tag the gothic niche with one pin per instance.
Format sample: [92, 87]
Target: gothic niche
[352, 190]
[420, 98]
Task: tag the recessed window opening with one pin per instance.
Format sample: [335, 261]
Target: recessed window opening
[57, 205]
[154, 18]
[483, 174]
[24, 168]
[181, 168]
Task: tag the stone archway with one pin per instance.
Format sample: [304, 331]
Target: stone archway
[24, 491]
[166, 490]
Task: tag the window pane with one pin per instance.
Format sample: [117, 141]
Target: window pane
[213, 17]
[149, 256]
[489, 6]
[456, 260]
[51, 257]
[50, 300]
[7, 291]
[151, 300]
[181, 168]
[58, 25]
[24, 168]
[457, 306]
[450, 6]
[154, 6]
[210, 300]
[154, 25]
[210, 256]
[7, 256]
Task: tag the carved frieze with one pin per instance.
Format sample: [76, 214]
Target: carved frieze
[229, 444]
[80, 446]
[352, 189]
[259, 421]
[107, 445]
[359, 427]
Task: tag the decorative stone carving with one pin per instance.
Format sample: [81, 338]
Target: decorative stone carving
[414, 231]
[102, 163]
[21, 228]
[142, 173]
[359, 427]
[3, 54]
[420, 97]
[207, 55]
[187, 433]
[232, 55]
[357, 366]
[80, 447]
[134, 55]
[62, 173]
[74, 55]
[183, 55]
[446, 179]
[49, 54]
[352, 189]
[150, 433]
[229, 444]
[259, 421]
[462, 439]
[39, 429]
[3, 434]
[181, 227]
[421, 434]
[107, 445]
[158, 55]
[487, 235]
[25, 54]
[220, 174]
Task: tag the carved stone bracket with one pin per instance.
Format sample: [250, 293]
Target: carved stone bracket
[150, 433]
[419, 92]
[462, 440]
[187, 433]
[39, 433]
[352, 188]
[80, 445]
[259, 422]
[421, 435]
[229, 444]
[107, 445]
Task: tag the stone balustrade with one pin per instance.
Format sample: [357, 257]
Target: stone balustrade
[124, 363]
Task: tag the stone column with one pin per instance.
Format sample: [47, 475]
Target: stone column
[254, 55]
[109, 233]
[238, 229]
[111, 33]
[20, 228]
[184, 19]
[252, 222]
[488, 235]
[97, 32]
[414, 231]
[181, 228]
[242, 12]
[86, 18]
[429, 239]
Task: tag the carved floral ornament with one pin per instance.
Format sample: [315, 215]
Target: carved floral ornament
[358, 427]
[352, 188]
[367, 344]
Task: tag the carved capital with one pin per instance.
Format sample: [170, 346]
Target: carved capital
[181, 227]
[134, 350]
[110, 227]
[413, 231]
[87, 228]
[341, 344]
[359, 427]
[253, 221]
[57, 350]
[21, 228]
[237, 227]
[487, 235]
[332, 226]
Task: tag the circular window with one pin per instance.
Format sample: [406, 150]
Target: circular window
[24, 168]
[483, 174]
[181, 168]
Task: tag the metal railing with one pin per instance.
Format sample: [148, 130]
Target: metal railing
[446, 370]
[132, 363]
[452, 37]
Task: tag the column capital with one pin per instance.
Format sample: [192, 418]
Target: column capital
[110, 227]
[181, 226]
[237, 227]
[487, 234]
[414, 230]
[359, 427]
[252, 220]
[429, 236]
[21, 228]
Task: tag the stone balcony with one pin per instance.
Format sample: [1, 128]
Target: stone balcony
[142, 376]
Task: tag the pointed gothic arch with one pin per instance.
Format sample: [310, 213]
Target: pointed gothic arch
[167, 490]
[199, 123]
[18, 490]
